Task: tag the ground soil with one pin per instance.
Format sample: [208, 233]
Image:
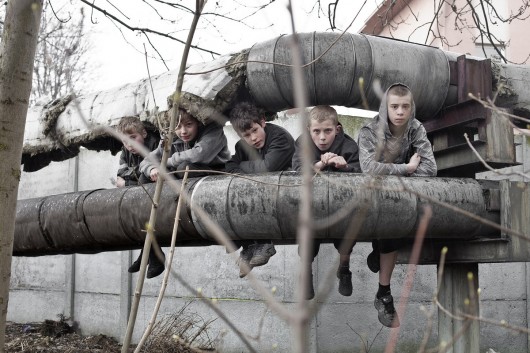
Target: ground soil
[55, 337]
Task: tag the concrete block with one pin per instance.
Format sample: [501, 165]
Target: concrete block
[494, 279]
[341, 326]
[35, 305]
[45, 272]
[498, 338]
[273, 336]
[216, 273]
[100, 272]
[98, 313]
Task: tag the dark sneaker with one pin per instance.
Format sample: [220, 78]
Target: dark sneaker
[156, 266]
[244, 258]
[345, 285]
[373, 261]
[386, 313]
[135, 266]
[261, 254]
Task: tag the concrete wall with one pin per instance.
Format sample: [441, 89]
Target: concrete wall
[96, 290]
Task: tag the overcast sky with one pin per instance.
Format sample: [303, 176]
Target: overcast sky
[118, 58]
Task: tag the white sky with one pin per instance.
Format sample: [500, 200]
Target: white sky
[117, 62]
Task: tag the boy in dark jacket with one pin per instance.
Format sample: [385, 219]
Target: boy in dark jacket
[129, 174]
[129, 169]
[334, 151]
[197, 146]
[394, 143]
[262, 148]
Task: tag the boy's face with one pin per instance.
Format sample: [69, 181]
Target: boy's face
[323, 133]
[134, 136]
[399, 109]
[255, 136]
[187, 129]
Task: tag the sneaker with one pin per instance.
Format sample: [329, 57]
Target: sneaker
[373, 261]
[386, 313]
[261, 254]
[135, 266]
[244, 259]
[156, 266]
[345, 285]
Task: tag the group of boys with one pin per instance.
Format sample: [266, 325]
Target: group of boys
[393, 143]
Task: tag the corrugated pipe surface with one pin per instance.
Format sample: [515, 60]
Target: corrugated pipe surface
[263, 208]
[334, 79]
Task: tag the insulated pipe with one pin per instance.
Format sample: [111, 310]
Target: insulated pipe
[265, 207]
[334, 79]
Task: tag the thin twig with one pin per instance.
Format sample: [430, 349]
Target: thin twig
[169, 261]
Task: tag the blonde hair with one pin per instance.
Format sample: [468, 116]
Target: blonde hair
[130, 125]
[322, 113]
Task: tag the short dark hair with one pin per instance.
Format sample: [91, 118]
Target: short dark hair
[130, 125]
[244, 114]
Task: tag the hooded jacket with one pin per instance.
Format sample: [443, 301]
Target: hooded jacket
[343, 146]
[129, 168]
[210, 148]
[274, 156]
[373, 140]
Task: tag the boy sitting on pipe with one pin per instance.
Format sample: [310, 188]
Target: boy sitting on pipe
[263, 147]
[332, 150]
[394, 143]
[200, 147]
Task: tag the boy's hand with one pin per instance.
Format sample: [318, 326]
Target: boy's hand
[339, 162]
[154, 174]
[413, 163]
[326, 157]
[120, 182]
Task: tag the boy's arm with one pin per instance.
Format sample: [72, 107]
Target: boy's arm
[352, 157]
[233, 165]
[146, 165]
[205, 149]
[278, 156]
[423, 148]
[367, 152]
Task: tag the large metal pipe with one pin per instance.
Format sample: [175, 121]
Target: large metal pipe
[334, 78]
[263, 208]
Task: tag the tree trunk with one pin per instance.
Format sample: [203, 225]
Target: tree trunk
[17, 51]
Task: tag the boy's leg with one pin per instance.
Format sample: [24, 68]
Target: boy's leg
[310, 289]
[384, 302]
[343, 271]
[373, 258]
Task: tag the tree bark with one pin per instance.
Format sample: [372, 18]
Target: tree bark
[17, 52]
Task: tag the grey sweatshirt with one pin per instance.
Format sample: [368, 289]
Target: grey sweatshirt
[371, 156]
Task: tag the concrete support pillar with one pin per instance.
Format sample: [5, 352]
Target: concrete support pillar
[126, 290]
[69, 290]
[458, 294]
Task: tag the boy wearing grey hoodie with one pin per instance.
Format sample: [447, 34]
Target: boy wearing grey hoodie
[394, 143]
